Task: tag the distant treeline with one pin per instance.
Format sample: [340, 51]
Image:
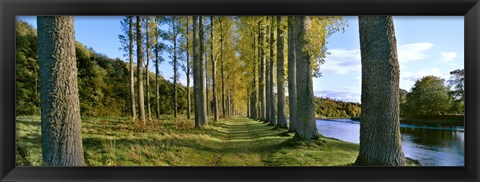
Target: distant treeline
[332, 108]
[327, 107]
[103, 82]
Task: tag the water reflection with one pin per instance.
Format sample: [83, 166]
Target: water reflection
[430, 146]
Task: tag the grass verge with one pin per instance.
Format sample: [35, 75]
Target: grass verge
[175, 142]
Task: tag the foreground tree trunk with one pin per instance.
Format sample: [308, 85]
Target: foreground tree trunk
[132, 76]
[306, 127]
[141, 103]
[214, 74]
[60, 103]
[380, 142]
[282, 113]
[292, 81]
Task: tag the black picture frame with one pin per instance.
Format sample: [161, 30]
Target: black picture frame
[470, 9]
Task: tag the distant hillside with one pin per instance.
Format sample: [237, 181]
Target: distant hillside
[326, 107]
[103, 82]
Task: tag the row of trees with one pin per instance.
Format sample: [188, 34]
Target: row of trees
[102, 82]
[186, 41]
[380, 143]
[265, 43]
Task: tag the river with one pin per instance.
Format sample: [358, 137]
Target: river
[429, 145]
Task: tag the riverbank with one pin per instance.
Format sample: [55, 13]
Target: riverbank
[166, 142]
[431, 121]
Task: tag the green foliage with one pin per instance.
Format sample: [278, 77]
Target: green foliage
[103, 82]
[429, 97]
[457, 81]
[326, 107]
[26, 67]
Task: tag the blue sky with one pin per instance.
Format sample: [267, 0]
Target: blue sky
[427, 45]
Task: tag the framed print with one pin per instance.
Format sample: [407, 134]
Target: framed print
[239, 90]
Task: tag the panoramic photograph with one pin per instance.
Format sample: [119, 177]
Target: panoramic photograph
[342, 91]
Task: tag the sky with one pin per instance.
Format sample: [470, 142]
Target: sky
[426, 45]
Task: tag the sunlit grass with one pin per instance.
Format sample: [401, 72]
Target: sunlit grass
[175, 142]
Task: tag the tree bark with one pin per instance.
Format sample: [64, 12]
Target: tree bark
[253, 100]
[292, 81]
[132, 76]
[141, 103]
[157, 89]
[222, 74]
[307, 129]
[202, 69]
[282, 113]
[271, 104]
[267, 75]
[196, 75]
[189, 102]
[207, 103]
[380, 142]
[261, 82]
[60, 103]
[214, 74]
[147, 74]
[175, 90]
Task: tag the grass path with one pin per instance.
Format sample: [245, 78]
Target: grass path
[175, 142]
[241, 146]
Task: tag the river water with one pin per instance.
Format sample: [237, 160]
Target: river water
[430, 146]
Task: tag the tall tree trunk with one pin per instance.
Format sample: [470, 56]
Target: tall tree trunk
[282, 113]
[306, 127]
[196, 75]
[273, 119]
[222, 74]
[209, 111]
[141, 103]
[189, 101]
[214, 74]
[292, 81]
[60, 103]
[253, 101]
[202, 69]
[261, 82]
[157, 89]
[267, 76]
[147, 74]
[132, 77]
[175, 87]
[380, 142]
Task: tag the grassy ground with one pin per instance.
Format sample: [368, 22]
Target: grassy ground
[170, 142]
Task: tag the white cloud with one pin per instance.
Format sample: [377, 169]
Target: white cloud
[448, 56]
[419, 74]
[413, 51]
[408, 79]
[344, 93]
[343, 61]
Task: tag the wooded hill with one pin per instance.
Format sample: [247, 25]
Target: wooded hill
[102, 81]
